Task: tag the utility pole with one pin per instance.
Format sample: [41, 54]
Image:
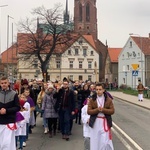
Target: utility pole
[1, 30]
[8, 40]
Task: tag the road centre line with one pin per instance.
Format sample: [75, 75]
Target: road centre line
[124, 134]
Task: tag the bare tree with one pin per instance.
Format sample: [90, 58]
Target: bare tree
[37, 41]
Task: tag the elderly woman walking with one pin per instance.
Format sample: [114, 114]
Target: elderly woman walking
[49, 111]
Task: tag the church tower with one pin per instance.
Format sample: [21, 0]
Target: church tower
[85, 17]
[66, 14]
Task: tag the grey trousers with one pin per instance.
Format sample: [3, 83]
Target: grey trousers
[86, 143]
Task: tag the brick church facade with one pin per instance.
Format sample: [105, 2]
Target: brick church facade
[85, 22]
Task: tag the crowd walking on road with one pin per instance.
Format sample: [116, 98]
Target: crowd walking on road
[60, 104]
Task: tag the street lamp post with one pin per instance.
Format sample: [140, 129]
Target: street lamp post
[8, 17]
[141, 61]
[0, 28]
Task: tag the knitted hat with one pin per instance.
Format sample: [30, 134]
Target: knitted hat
[24, 81]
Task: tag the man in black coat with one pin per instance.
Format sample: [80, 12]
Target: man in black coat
[66, 104]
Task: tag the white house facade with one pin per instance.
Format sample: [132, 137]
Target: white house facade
[78, 62]
[131, 66]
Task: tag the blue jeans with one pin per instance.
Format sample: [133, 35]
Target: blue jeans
[27, 133]
[21, 140]
[65, 116]
[45, 124]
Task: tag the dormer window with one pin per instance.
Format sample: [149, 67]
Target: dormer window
[92, 53]
[69, 52]
[130, 43]
[80, 42]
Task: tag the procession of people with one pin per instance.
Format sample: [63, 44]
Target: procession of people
[60, 104]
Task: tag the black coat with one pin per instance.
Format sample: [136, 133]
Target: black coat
[70, 102]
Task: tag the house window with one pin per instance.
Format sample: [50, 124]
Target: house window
[130, 43]
[35, 63]
[69, 52]
[128, 68]
[89, 64]
[58, 64]
[80, 64]
[139, 79]
[84, 52]
[80, 78]
[80, 12]
[92, 53]
[124, 80]
[76, 51]
[71, 64]
[87, 12]
[124, 68]
[89, 78]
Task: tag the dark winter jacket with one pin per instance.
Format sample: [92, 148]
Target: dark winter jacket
[10, 101]
[70, 99]
[79, 96]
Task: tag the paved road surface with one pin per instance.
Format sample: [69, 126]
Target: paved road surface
[40, 141]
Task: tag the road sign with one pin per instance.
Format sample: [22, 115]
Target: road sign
[134, 72]
[135, 66]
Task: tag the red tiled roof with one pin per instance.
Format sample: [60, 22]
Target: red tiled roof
[143, 43]
[10, 55]
[26, 43]
[90, 40]
[114, 53]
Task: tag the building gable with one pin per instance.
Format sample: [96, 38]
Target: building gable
[114, 53]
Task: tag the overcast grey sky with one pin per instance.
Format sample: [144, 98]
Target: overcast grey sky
[116, 18]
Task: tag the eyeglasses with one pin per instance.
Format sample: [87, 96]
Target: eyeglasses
[65, 84]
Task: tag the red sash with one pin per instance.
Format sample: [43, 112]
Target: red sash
[106, 128]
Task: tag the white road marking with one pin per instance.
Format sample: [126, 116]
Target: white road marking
[123, 141]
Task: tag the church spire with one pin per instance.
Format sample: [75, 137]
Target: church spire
[66, 6]
[66, 14]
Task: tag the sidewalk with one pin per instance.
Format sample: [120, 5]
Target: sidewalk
[131, 99]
